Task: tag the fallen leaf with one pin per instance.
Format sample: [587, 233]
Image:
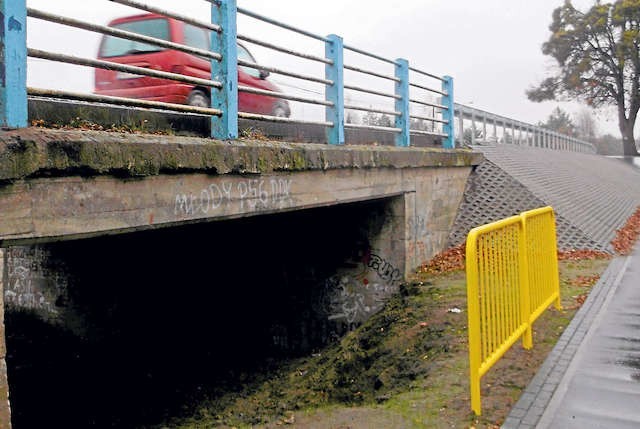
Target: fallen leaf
[627, 235]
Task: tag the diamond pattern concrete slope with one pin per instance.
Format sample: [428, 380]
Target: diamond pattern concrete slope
[592, 195]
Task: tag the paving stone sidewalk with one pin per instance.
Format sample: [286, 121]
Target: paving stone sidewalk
[585, 365]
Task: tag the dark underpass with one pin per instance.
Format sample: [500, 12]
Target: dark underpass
[151, 323]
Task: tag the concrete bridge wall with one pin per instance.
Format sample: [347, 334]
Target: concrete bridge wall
[60, 185]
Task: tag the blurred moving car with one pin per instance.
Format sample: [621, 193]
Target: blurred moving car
[130, 52]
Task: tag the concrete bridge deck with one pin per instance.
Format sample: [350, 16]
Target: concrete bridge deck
[142, 181]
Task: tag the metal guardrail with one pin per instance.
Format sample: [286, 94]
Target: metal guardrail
[513, 132]
[223, 83]
[418, 108]
[505, 293]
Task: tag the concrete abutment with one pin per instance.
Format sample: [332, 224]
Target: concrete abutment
[77, 188]
[5, 408]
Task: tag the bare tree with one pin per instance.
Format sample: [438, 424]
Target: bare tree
[585, 125]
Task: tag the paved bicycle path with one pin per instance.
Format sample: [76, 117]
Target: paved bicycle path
[591, 379]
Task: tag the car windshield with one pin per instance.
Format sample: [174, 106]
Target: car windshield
[115, 46]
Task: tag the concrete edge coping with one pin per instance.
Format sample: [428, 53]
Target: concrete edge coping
[34, 151]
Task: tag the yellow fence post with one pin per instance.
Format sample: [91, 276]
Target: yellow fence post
[553, 261]
[525, 292]
[473, 315]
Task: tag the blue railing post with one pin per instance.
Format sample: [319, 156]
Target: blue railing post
[448, 114]
[13, 63]
[402, 104]
[225, 71]
[334, 50]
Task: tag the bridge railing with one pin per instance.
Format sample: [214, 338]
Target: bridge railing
[223, 83]
[488, 128]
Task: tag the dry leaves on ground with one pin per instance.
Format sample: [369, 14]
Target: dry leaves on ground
[451, 259]
[585, 281]
[579, 254]
[580, 299]
[627, 235]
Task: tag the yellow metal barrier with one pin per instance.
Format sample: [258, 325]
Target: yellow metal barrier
[542, 259]
[504, 295]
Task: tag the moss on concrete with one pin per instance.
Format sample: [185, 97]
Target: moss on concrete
[299, 162]
[17, 157]
[37, 152]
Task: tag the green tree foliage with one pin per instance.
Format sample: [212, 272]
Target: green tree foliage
[598, 57]
[560, 121]
[379, 120]
[471, 134]
[352, 117]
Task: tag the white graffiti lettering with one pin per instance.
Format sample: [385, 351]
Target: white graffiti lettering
[252, 194]
[418, 225]
[353, 301]
[23, 273]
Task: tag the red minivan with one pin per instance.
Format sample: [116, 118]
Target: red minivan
[124, 51]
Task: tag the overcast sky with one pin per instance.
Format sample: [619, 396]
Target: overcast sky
[492, 48]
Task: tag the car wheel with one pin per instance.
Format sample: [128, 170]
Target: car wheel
[279, 112]
[198, 98]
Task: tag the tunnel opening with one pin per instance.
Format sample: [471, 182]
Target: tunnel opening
[151, 323]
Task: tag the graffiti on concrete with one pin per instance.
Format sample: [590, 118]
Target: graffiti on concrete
[280, 337]
[418, 228]
[417, 225]
[346, 302]
[252, 194]
[26, 280]
[352, 296]
[418, 249]
[352, 299]
[384, 269]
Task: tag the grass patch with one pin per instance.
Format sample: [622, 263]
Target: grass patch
[407, 367]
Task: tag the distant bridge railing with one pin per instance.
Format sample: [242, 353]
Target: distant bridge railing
[488, 128]
[223, 83]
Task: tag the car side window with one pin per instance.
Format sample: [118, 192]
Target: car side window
[243, 54]
[196, 37]
[115, 46]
